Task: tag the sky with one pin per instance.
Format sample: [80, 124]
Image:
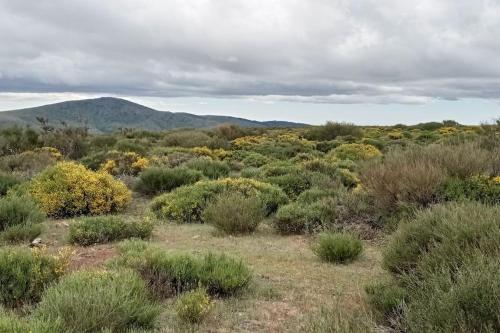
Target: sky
[364, 61]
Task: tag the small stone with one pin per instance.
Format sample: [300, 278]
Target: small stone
[36, 242]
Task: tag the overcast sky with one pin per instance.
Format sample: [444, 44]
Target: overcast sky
[366, 61]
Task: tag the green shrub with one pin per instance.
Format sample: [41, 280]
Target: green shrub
[21, 232]
[314, 194]
[209, 168]
[255, 160]
[7, 181]
[250, 172]
[16, 210]
[104, 229]
[12, 323]
[186, 204]
[234, 213]
[320, 165]
[24, 274]
[443, 236]
[338, 247]
[157, 180]
[193, 306]
[296, 218]
[479, 188]
[87, 301]
[170, 274]
[291, 183]
[332, 130]
[387, 298]
[127, 145]
[446, 259]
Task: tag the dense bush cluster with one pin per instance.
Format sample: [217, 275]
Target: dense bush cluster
[69, 189]
[158, 180]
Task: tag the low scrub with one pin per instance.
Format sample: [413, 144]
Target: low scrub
[7, 181]
[18, 211]
[87, 301]
[24, 274]
[356, 151]
[297, 218]
[209, 168]
[104, 229]
[193, 306]
[69, 189]
[170, 274]
[337, 247]
[234, 213]
[187, 203]
[446, 259]
[21, 233]
[158, 180]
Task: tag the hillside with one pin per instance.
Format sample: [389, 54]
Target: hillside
[106, 114]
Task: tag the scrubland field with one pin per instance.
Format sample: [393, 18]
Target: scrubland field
[334, 228]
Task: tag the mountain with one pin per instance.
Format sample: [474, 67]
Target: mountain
[107, 114]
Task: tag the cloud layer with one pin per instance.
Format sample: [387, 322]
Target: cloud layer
[315, 51]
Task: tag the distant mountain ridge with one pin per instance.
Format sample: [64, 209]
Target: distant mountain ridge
[106, 114]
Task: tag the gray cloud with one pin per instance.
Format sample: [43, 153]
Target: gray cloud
[315, 51]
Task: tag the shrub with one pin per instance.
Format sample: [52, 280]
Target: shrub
[443, 235]
[296, 218]
[387, 298]
[21, 232]
[356, 151]
[479, 188]
[193, 306]
[291, 183]
[209, 168]
[16, 211]
[170, 274]
[11, 323]
[234, 213]
[7, 181]
[338, 247]
[410, 176]
[24, 274]
[314, 194]
[128, 163]
[446, 259]
[332, 130]
[157, 180]
[88, 300]
[69, 189]
[104, 229]
[186, 204]
[255, 160]
[30, 162]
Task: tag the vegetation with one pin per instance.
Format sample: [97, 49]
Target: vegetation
[407, 213]
[103, 229]
[234, 213]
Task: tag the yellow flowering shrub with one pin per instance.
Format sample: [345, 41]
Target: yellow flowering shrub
[128, 163]
[395, 135]
[356, 151]
[248, 141]
[69, 189]
[53, 152]
[193, 306]
[213, 153]
[447, 130]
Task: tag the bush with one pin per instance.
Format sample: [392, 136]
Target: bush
[314, 194]
[234, 213]
[69, 189]
[193, 306]
[86, 300]
[292, 183]
[104, 229]
[24, 274]
[387, 298]
[128, 163]
[186, 204]
[446, 259]
[332, 130]
[21, 232]
[16, 211]
[157, 180]
[255, 160]
[296, 218]
[355, 151]
[7, 181]
[338, 247]
[209, 168]
[170, 274]
[443, 236]
[479, 188]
